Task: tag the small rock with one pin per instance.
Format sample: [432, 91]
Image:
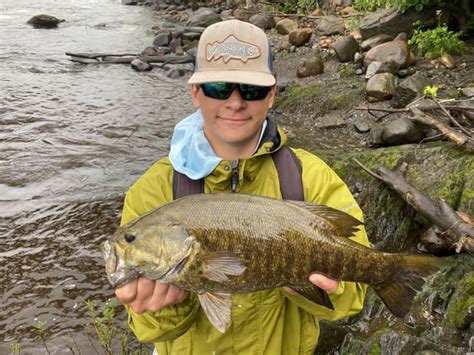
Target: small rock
[330, 120]
[356, 34]
[264, 21]
[139, 65]
[358, 58]
[359, 71]
[310, 67]
[448, 61]
[285, 26]
[379, 67]
[162, 39]
[300, 36]
[469, 92]
[325, 43]
[362, 125]
[393, 51]
[402, 36]
[374, 41]
[331, 25]
[381, 87]
[203, 17]
[345, 48]
[401, 131]
[409, 90]
[403, 73]
[44, 21]
[226, 14]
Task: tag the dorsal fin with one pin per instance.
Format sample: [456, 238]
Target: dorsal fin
[344, 223]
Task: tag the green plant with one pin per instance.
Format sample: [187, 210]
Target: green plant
[15, 348]
[372, 5]
[430, 91]
[438, 41]
[404, 5]
[42, 334]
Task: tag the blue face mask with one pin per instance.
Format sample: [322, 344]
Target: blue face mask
[190, 153]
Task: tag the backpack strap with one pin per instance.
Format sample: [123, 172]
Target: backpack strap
[288, 167]
[289, 172]
[184, 186]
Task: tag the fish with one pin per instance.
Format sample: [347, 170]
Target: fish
[221, 244]
[231, 48]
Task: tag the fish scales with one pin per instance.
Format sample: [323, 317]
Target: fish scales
[289, 244]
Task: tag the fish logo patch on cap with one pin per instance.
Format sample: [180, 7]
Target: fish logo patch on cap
[232, 48]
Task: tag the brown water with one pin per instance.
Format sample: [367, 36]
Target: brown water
[73, 138]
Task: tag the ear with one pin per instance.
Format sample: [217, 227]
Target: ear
[194, 95]
[271, 96]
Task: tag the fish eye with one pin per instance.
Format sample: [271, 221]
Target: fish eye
[129, 238]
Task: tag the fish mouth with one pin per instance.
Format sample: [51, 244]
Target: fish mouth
[117, 272]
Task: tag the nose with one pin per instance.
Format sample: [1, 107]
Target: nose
[235, 100]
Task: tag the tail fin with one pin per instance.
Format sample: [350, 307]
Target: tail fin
[398, 294]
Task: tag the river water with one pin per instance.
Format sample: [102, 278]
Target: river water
[73, 138]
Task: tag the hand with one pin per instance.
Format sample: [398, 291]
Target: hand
[323, 282]
[144, 295]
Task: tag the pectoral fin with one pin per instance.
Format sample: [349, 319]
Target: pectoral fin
[218, 266]
[218, 307]
[315, 294]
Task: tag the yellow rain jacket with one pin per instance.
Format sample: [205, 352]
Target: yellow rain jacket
[266, 322]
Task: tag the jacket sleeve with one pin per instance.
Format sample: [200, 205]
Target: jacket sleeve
[323, 186]
[150, 191]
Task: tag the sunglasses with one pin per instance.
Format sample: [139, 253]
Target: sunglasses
[222, 91]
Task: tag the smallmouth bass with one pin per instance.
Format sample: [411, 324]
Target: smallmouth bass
[220, 244]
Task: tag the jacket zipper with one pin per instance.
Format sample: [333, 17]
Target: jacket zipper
[234, 182]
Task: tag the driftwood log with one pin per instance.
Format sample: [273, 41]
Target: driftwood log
[102, 58]
[457, 232]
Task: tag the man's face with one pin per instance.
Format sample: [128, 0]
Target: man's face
[233, 121]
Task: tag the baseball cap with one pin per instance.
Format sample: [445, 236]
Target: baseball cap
[233, 51]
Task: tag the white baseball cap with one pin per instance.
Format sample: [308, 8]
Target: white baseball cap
[234, 52]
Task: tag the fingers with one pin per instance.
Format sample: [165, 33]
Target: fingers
[324, 282]
[144, 295]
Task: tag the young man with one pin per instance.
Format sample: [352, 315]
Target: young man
[229, 142]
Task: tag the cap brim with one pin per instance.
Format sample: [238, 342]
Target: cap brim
[241, 77]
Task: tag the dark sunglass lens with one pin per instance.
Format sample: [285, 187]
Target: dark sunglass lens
[220, 91]
[253, 92]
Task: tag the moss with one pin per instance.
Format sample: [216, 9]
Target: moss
[450, 94]
[346, 71]
[319, 98]
[376, 350]
[460, 312]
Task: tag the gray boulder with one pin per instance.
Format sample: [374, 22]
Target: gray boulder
[346, 47]
[300, 36]
[401, 131]
[391, 22]
[264, 21]
[381, 87]
[203, 17]
[285, 26]
[331, 25]
[139, 65]
[162, 39]
[379, 67]
[374, 41]
[410, 89]
[44, 21]
[393, 51]
[310, 67]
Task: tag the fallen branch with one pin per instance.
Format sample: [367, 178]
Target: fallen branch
[460, 139]
[102, 58]
[452, 228]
